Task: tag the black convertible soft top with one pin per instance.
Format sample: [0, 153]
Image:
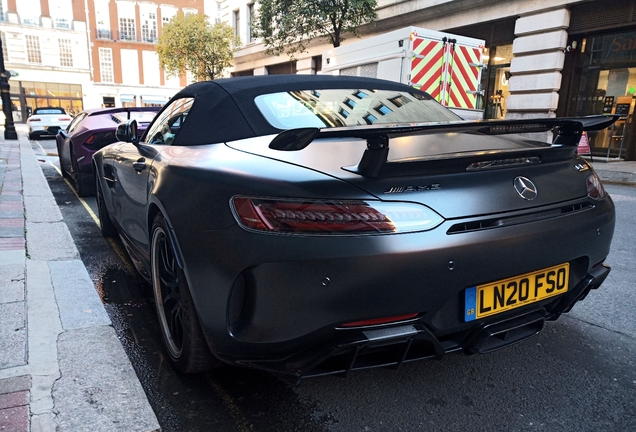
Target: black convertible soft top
[230, 102]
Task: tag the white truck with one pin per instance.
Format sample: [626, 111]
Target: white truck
[446, 66]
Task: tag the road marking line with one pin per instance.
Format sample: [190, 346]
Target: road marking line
[120, 253]
[241, 422]
[40, 145]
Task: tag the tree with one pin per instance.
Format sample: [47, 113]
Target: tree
[289, 25]
[191, 42]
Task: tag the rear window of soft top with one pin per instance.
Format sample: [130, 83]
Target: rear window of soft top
[49, 111]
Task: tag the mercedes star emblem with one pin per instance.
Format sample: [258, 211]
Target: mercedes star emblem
[525, 188]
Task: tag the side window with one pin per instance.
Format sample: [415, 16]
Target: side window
[76, 121]
[167, 124]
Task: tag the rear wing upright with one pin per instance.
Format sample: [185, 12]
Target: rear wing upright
[374, 162]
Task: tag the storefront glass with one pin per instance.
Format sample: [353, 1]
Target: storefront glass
[26, 96]
[495, 80]
[607, 85]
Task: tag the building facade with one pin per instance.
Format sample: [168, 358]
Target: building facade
[45, 46]
[126, 68]
[81, 54]
[544, 57]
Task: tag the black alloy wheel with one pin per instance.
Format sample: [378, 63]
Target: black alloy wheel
[105, 223]
[178, 320]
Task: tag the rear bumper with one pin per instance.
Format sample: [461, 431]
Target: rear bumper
[279, 302]
[392, 346]
[45, 130]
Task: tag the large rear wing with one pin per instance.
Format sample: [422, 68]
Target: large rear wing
[374, 163]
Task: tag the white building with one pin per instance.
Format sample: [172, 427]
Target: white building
[48, 53]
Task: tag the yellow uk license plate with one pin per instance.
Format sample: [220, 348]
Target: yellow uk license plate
[497, 297]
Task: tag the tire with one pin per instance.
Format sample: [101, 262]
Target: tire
[31, 137]
[178, 321]
[82, 181]
[105, 223]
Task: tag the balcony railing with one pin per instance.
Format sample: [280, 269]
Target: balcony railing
[31, 20]
[62, 23]
[133, 37]
[40, 21]
[103, 34]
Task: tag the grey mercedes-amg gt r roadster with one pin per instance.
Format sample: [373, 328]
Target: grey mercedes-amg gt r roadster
[310, 225]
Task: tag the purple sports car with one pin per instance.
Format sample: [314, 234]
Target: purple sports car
[89, 131]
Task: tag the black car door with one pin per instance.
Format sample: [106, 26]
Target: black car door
[135, 173]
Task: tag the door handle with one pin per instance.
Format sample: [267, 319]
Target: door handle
[140, 165]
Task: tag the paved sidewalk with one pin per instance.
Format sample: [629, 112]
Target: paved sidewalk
[617, 172]
[62, 367]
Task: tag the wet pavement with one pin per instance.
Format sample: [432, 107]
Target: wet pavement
[227, 399]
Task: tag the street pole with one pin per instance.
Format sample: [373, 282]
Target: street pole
[5, 89]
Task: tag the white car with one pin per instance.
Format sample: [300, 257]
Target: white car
[47, 122]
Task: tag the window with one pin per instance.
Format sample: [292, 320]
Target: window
[126, 28]
[106, 65]
[60, 11]
[66, 55]
[360, 94]
[297, 109]
[250, 16]
[102, 19]
[129, 66]
[399, 101]
[150, 61]
[148, 24]
[29, 11]
[369, 118]
[167, 13]
[165, 128]
[108, 102]
[237, 23]
[348, 102]
[34, 54]
[383, 109]
[76, 121]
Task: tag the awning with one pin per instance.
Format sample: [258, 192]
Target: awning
[150, 99]
[127, 98]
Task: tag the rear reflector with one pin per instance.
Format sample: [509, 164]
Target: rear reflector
[377, 321]
[332, 217]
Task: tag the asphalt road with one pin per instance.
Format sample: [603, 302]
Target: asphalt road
[579, 374]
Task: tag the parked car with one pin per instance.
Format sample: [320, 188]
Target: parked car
[47, 122]
[316, 224]
[89, 131]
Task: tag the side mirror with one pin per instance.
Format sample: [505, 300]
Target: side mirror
[127, 132]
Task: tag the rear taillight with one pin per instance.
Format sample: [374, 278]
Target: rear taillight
[34, 119]
[64, 119]
[99, 140]
[332, 217]
[595, 187]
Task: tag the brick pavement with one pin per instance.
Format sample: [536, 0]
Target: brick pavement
[14, 392]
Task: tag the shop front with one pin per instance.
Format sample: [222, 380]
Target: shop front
[26, 96]
[599, 75]
[604, 83]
